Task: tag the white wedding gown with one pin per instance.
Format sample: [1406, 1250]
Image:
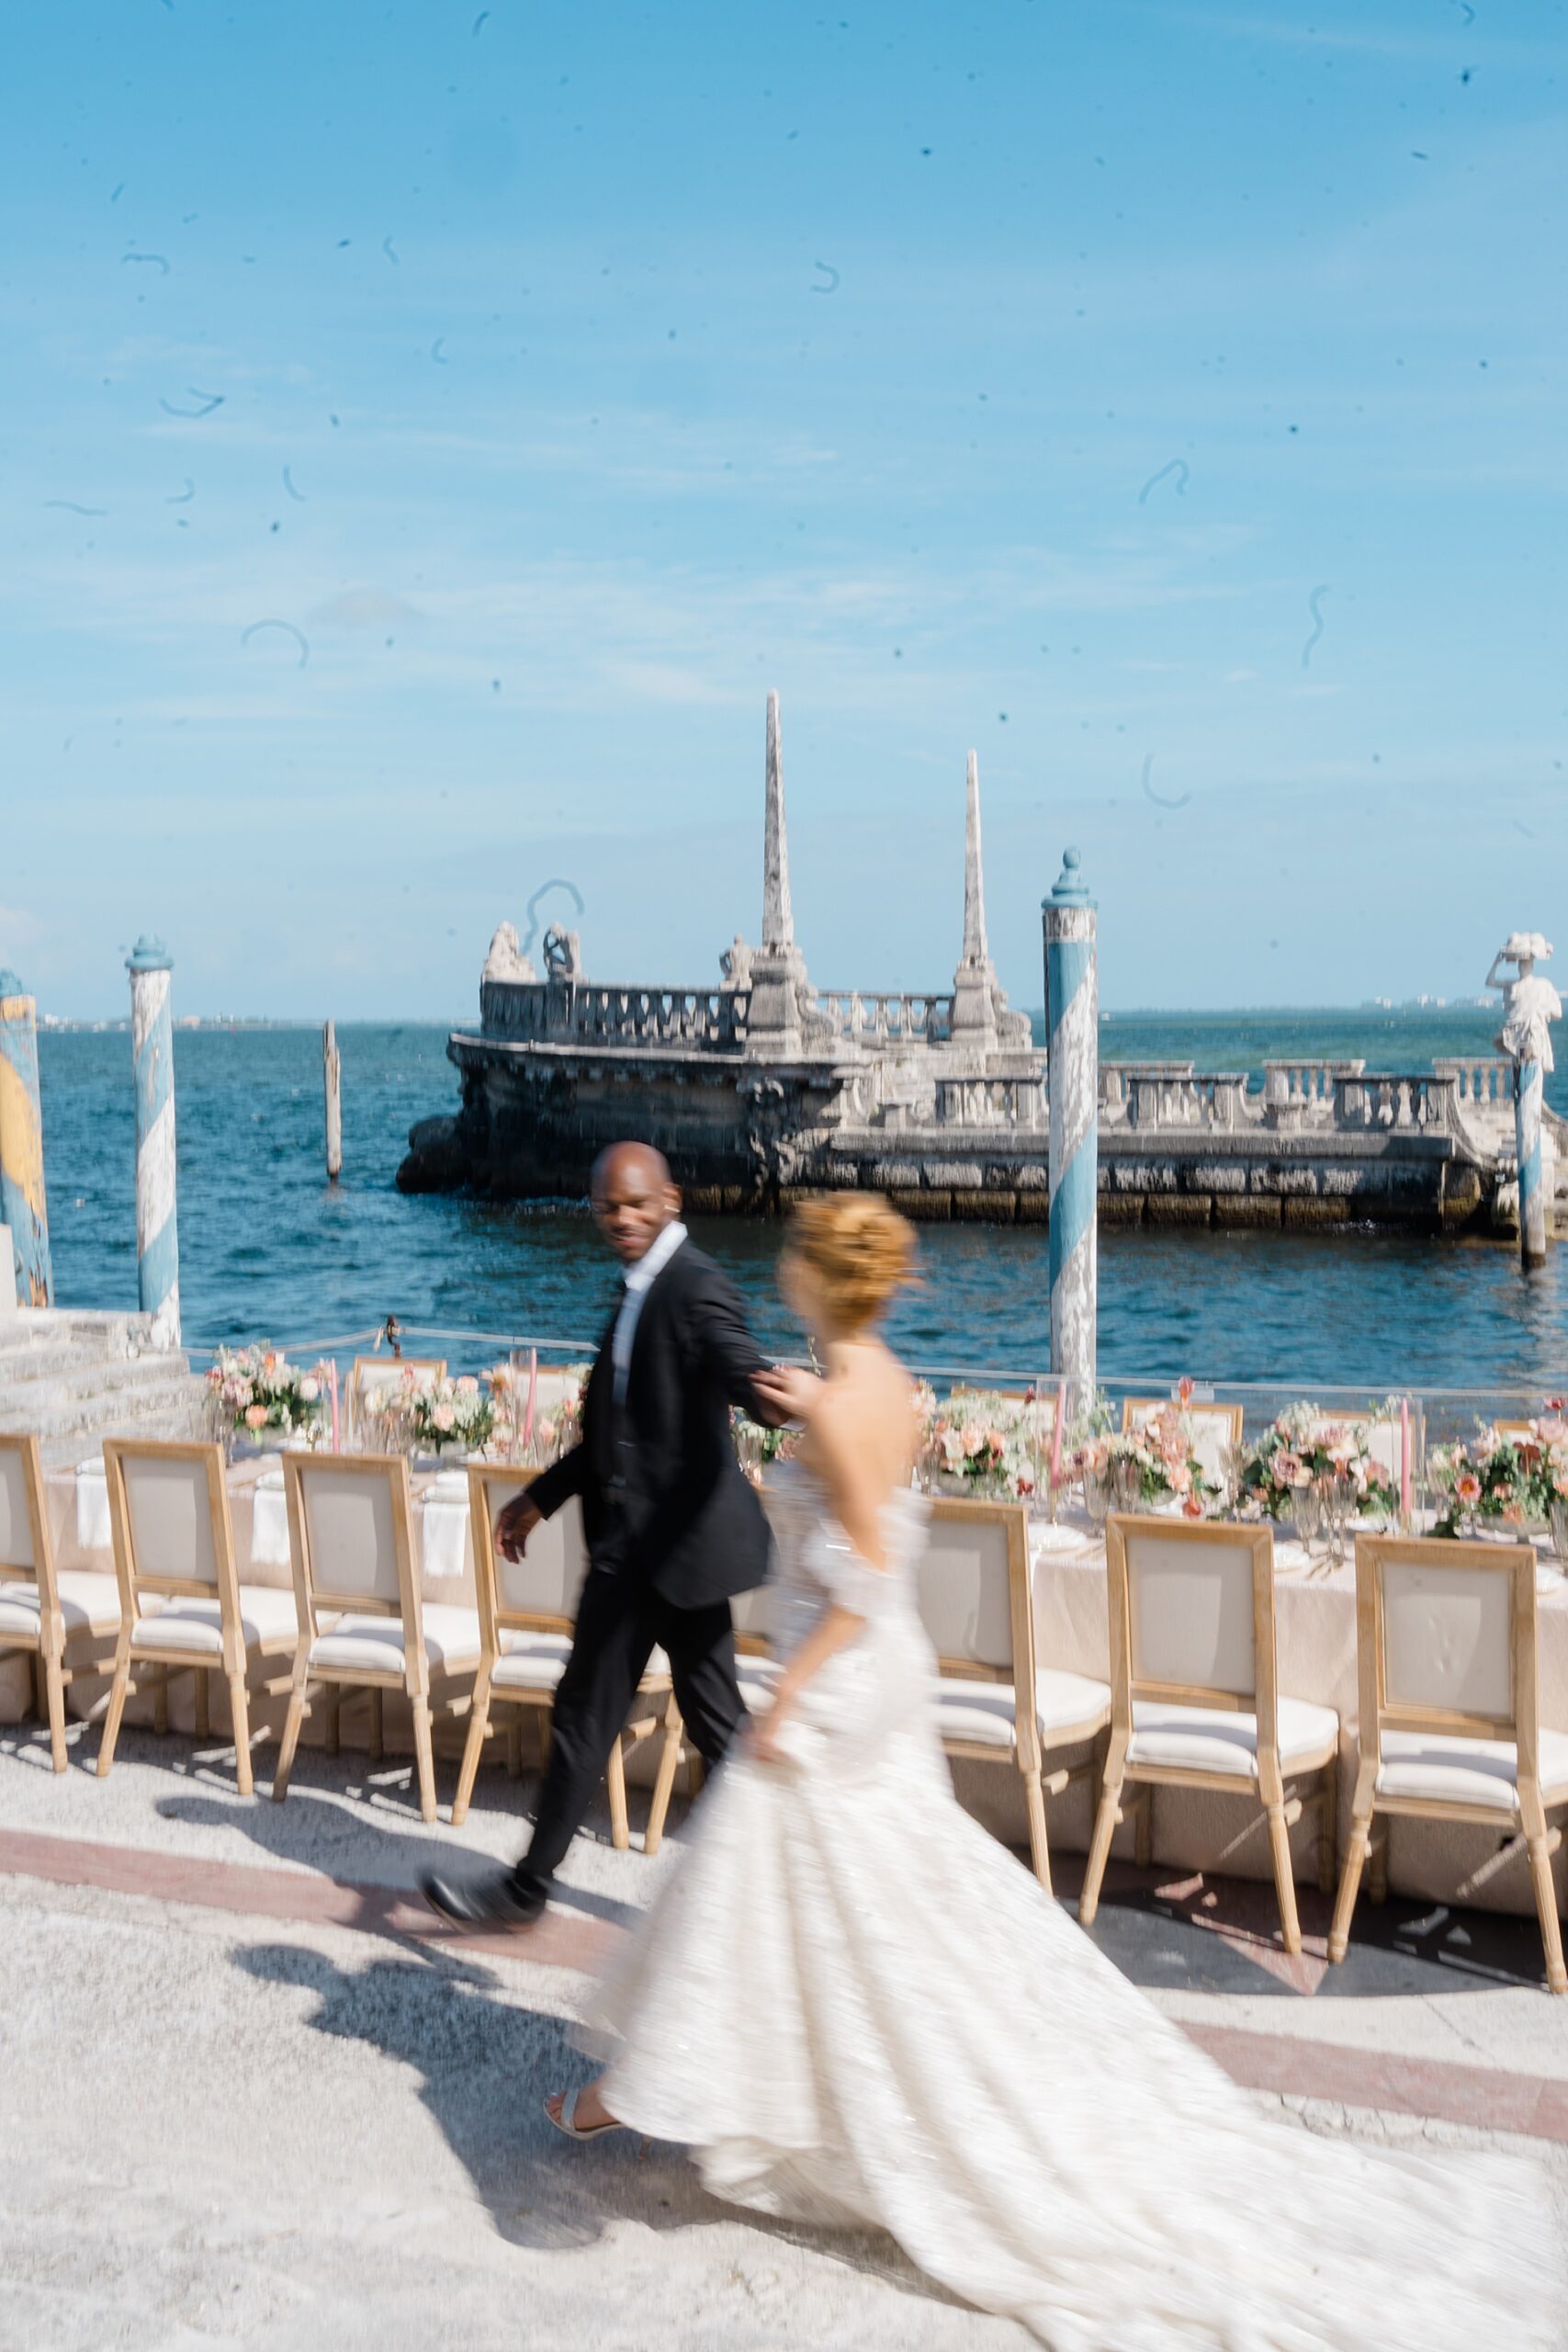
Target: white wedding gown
[856, 2008]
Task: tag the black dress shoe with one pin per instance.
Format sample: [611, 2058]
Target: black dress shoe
[496, 1900]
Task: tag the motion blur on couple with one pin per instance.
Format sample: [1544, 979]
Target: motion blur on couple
[850, 2002]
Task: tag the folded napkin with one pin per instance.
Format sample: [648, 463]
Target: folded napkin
[1057, 1538]
[93, 1506]
[446, 1526]
[269, 1523]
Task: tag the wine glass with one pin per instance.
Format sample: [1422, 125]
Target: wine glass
[1096, 1495]
[1306, 1504]
[1127, 1485]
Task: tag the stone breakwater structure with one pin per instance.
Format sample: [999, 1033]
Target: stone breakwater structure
[766, 1087]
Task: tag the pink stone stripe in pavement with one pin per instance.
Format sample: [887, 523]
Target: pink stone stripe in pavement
[1484, 2098]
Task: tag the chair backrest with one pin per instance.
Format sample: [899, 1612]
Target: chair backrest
[350, 1536]
[539, 1592]
[169, 1519]
[371, 1374]
[26, 1554]
[1215, 1428]
[1192, 1615]
[1386, 1442]
[1446, 1639]
[753, 1619]
[972, 1584]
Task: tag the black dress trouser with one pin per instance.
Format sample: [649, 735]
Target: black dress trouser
[620, 1621]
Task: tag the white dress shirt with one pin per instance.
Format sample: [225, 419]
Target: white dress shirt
[640, 1280]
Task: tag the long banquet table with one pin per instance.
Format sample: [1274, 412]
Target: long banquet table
[1315, 1621]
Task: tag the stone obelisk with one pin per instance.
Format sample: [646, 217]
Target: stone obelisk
[778, 969]
[973, 983]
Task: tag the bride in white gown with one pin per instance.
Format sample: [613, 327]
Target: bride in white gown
[856, 2008]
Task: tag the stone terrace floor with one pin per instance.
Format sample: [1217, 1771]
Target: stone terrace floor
[250, 2093]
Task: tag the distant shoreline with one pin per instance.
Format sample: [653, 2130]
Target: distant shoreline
[1408, 1009]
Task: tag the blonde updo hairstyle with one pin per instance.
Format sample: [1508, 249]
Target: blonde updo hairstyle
[859, 1248]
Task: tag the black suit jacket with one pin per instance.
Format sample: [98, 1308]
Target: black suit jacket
[663, 1497]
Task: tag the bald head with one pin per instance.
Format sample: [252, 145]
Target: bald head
[634, 1198]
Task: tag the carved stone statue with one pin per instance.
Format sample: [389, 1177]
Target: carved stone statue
[1530, 1002]
[736, 964]
[506, 960]
[563, 955]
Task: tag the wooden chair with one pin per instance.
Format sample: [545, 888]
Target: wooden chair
[360, 1622]
[1215, 1428]
[1449, 1707]
[526, 1610]
[371, 1374]
[995, 1702]
[1195, 1696]
[174, 1546]
[41, 1605]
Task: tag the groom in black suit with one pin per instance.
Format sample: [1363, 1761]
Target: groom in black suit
[674, 1530]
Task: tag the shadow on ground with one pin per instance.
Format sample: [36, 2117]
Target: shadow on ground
[1174, 1930]
[484, 2065]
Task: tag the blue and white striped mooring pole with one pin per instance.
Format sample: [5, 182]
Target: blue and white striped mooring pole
[152, 1051]
[1529, 1084]
[1072, 1015]
[22, 1202]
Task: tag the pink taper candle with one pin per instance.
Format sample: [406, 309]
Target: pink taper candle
[1056, 1432]
[331, 1390]
[533, 1392]
[1405, 1478]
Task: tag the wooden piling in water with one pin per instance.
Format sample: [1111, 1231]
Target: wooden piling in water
[332, 1072]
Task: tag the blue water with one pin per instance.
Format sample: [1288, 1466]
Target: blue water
[268, 1249]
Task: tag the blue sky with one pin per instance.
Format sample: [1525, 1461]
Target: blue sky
[1012, 377]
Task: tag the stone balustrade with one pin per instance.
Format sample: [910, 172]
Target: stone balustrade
[1422, 1104]
[586, 1013]
[1016, 1106]
[1484, 1085]
[874, 1018]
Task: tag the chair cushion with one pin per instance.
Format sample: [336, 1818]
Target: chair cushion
[531, 1661]
[374, 1645]
[20, 1610]
[1431, 1765]
[269, 1621]
[1203, 1739]
[1070, 1707]
[86, 1600]
[536, 1661]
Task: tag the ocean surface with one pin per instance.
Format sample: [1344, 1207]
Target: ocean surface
[269, 1249]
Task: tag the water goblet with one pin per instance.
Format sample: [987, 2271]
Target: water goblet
[1126, 1485]
[1096, 1495]
[1306, 1505]
[1559, 1516]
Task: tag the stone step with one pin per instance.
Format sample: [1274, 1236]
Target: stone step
[25, 1386]
[172, 1409]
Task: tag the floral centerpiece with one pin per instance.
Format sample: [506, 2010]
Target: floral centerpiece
[416, 1415]
[1514, 1480]
[1303, 1446]
[526, 1429]
[256, 1393]
[757, 1447]
[982, 1441]
[1150, 1466]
